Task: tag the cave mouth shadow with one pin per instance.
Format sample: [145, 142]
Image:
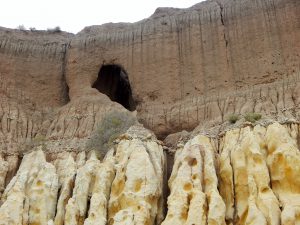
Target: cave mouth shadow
[113, 81]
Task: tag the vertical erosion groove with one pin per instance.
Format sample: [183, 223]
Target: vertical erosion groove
[65, 87]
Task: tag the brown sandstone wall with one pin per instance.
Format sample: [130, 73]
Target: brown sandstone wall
[185, 66]
[194, 56]
[32, 66]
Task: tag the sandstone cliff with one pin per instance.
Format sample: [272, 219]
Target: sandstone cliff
[188, 69]
[185, 66]
[198, 64]
[249, 176]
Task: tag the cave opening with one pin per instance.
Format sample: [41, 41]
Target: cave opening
[113, 81]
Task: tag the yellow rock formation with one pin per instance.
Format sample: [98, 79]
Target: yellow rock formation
[284, 165]
[194, 197]
[137, 187]
[250, 176]
[203, 69]
[31, 196]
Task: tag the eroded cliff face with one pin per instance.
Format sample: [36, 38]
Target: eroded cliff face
[32, 67]
[199, 64]
[125, 188]
[185, 66]
[188, 68]
[249, 176]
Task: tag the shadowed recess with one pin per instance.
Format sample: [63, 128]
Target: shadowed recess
[113, 81]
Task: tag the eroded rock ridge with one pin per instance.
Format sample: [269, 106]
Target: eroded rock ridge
[249, 176]
[185, 70]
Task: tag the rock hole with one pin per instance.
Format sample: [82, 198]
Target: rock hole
[187, 186]
[194, 177]
[39, 183]
[113, 81]
[193, 162]
[88, 205]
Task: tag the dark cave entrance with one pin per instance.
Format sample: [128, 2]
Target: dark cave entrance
[113, 81]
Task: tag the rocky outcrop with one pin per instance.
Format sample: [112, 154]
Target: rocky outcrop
[91, 191]
[67, 191]
[30, 197]
[184, 65]
[283, 162]
[249, 179]
[248, 176]
[194, 197]
[136, 192]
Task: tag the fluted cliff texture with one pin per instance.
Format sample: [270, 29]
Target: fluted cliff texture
[184, 65]
[219, 80]
[201, 63]
[249, 176]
